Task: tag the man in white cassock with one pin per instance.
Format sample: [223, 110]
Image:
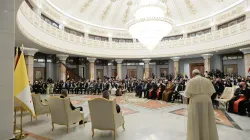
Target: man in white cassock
[201, 119]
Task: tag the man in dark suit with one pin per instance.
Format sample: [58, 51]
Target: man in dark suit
[64, 95]
[35, 87]
[105, 94]
[85, 86]
[99, 87]
[67, 85]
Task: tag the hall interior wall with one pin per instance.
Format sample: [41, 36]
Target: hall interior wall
[240, 65]
[52, 69]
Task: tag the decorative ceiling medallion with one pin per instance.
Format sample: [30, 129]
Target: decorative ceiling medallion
[168, 12]
[86, 5]
[129, 3]
[190, 6]
[126, 14]
[107, 9]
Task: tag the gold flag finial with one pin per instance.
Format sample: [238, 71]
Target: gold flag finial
[16, 50]
[22, 48]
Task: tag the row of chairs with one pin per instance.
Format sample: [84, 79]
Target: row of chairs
[103, 113]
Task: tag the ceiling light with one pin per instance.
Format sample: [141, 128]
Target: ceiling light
[150, 24]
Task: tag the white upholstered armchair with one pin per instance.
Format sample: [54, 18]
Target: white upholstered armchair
[104, 115]
[62, 114]
[40, 107]
[226, 96]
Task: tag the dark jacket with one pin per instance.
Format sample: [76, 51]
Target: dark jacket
[71, 105]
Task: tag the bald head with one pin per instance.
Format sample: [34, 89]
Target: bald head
[195, 72]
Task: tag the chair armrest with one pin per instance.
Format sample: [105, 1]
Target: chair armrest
[45, 104]
[75, 116]
[78, 109]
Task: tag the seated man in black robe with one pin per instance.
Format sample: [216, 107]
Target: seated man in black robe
[105, 94]
[64, 95]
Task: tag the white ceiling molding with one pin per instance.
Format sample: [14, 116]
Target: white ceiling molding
[45, 35]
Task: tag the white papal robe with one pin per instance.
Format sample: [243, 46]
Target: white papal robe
[201, 119]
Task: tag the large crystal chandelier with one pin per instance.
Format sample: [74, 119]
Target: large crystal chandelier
[150, 24]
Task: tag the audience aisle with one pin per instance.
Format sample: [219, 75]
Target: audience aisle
[144, 120]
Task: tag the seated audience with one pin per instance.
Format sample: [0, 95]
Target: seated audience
[105, 94]
[168, 90]
[119, 91]
[241, 97]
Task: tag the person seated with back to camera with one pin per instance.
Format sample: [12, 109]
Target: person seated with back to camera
[64, 95]
[105, 95]
[119, 91]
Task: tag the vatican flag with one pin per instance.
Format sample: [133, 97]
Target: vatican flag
[22, 92]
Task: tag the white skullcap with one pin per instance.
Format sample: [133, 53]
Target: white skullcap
[195, 71]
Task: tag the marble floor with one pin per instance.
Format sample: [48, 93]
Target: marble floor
[144, 120]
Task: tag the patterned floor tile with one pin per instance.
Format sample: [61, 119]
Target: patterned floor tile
[90, 97]
[125, 111]
[154, 104]
[34, 136]
[221, 117]
[77, 102]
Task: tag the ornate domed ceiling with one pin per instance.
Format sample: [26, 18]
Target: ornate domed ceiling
[115, 13]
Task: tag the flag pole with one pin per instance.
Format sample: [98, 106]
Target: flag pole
[21, 135]
[17, 51]
[16, 131]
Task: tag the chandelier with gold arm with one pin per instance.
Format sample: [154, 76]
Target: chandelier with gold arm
[150, 24]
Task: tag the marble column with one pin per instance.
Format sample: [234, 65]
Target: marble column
[29, 59]
[146, 70]
[91, 68]
[207, 66]
[246, 52]
[176, 65]
[63, 69]
[119, 68]
[7, 49]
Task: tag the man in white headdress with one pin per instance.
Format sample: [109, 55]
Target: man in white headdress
[201, 119]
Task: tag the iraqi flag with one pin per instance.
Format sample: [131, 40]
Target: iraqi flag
[22, 92]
